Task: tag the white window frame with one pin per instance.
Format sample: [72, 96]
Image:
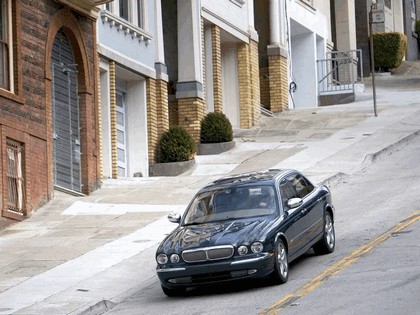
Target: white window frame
[133, 12]
[139, 15]
[9, 86]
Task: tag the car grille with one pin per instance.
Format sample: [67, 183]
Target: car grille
[207, 253]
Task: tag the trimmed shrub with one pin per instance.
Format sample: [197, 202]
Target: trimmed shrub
[216, 128]
[176, 145]
[389, 49]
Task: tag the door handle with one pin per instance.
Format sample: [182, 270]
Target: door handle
[304, 211]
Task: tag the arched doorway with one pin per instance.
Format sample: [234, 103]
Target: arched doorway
[65, 110]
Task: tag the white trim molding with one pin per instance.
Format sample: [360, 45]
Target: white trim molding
[125, 26]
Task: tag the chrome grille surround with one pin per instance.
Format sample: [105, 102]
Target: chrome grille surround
[208, 253]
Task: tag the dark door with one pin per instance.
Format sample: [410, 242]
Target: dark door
[66, 130]
[297, 219]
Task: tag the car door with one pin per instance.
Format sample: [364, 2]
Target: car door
[296, 220]
[313, 204]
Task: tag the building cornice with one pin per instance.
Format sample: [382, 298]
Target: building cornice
[88, 7]
[125, 26]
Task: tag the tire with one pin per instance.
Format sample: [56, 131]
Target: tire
[281, 264]
[327, 244]
[173, 292]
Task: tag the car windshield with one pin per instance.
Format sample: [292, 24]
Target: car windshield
[232, 203]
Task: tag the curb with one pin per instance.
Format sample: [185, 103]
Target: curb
[334, 179]
[372, 157]
[98, 308]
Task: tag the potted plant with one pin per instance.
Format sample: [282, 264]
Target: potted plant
[176, 153]
[216, 134]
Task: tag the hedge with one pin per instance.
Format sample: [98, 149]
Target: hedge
[389, 49]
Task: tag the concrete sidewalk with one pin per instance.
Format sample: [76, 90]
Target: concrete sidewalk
[82, 254]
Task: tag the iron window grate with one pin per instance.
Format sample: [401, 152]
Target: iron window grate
[15, 176]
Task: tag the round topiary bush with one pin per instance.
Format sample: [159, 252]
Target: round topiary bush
[176, 145]
[216, 128]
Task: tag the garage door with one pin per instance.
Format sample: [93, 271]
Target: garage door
[66, 131]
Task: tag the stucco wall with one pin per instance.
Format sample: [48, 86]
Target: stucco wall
[230, 10]
[128, 46]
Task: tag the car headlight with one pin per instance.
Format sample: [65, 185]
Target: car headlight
[257, 247]
[242, 250]
[162, 259]
[174, 258]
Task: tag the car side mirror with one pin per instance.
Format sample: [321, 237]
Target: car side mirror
[294, 203]
[174, 217]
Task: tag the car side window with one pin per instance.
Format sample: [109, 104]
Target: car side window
[302, 186]
[287, 192]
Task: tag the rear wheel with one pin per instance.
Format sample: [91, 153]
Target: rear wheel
[327, 244]
[281, 264]
[173, 292]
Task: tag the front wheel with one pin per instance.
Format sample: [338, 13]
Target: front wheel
[327, 244]
[281, 264]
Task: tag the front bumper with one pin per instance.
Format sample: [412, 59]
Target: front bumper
[189, 275]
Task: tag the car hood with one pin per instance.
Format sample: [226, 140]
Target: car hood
[216, 233]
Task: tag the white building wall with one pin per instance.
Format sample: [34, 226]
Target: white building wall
[324, 8]
[135, 45]
[398, 16]
[233, 11]
[136, 51]
[105, 121]
[209, 70]
[309, 34]
[304, 70]
[311, 19]
[235, 18]
[137, 133]
[230, 84]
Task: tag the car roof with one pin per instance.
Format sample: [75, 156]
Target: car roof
[263, 177]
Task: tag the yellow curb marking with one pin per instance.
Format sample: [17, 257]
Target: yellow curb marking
[339, 266]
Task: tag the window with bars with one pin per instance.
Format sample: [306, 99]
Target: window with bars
[15, 176]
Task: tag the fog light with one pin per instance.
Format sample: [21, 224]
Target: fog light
[252, 271]
[238, 273]
[180, 280]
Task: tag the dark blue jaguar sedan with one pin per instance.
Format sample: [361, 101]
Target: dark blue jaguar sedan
[246, 226]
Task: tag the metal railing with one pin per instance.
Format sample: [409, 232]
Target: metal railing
[340, 71]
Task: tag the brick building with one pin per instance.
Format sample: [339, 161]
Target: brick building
[48, 102]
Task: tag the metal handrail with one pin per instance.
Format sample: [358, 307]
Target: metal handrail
[339, 71]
